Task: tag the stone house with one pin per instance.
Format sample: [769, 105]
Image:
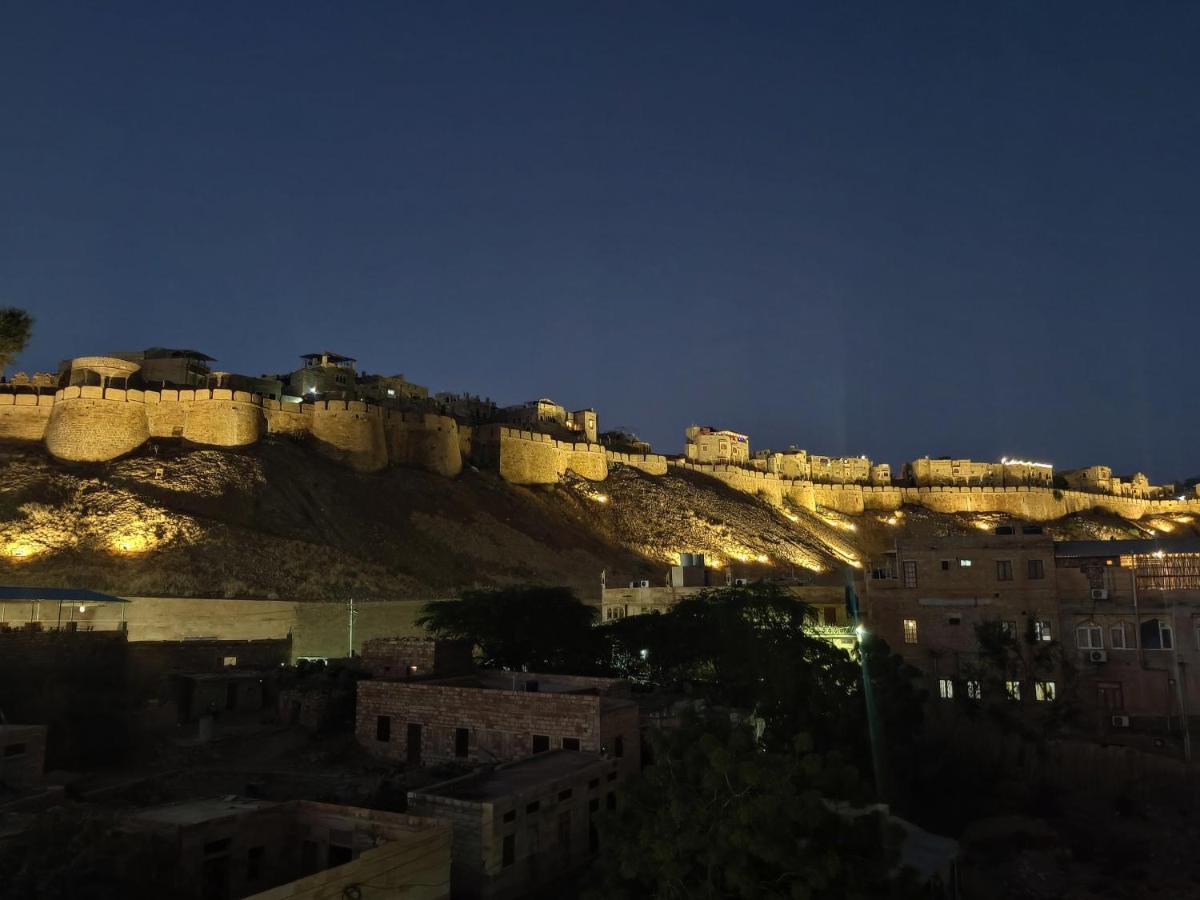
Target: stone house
[240, 847]
[493, 716]
[522, 825]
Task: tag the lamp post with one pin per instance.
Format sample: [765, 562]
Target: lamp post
[860, 633]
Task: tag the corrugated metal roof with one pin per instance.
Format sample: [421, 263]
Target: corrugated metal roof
[1119, 548]
[67, 595]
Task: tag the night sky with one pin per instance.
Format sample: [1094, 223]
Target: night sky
[895, 229]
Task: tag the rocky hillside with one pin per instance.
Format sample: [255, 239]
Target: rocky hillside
[278, 521]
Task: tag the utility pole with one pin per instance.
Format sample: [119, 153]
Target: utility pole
[353, 616]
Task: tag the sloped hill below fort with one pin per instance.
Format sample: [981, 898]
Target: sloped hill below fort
[277, 520]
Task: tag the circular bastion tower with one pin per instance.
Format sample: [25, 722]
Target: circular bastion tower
[97, 416]
[220, 417]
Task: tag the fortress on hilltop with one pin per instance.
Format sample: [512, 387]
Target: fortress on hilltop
[98, 408]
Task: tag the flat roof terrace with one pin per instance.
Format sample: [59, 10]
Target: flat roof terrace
[515, 778]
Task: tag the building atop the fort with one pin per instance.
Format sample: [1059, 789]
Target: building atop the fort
[546, 415]
[335, 377]
[944, 471]
[166, 366]
[711, 445]
[1100, 480]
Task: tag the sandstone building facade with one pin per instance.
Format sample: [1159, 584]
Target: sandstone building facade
[490, 717]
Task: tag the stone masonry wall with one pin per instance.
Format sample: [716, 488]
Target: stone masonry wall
[502, 723]
[92, 424]
[24, 416]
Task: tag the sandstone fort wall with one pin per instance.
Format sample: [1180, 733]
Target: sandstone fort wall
[24, 416]
[93, 424]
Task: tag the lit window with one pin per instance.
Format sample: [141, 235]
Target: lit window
[974, 690]
[1012, 690]
[1089, 637]
[230, 661]
[910, 631]
[1116, 637]
[1041, 631]
[946, 688]
[1009, 630]
[1043, 691]
[964, 564]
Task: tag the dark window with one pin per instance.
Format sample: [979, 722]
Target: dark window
[594, 783]
[254, 858]
[1031, 529]
[1156, 635]
[1036, 569]
[14, 750]
[383, 728]
[533, 807]
[910, 573]
[945, 565]
[541, 743]
[216, 846]
[412, 744]
[954, 620]
[1005, 529]
[462, 741]
[531, 687]
[594, 804]
[564, 830]
[570, 743]
[564, 795]
[619, 747]
[510, 816]
[1004, 570]
[339, 856]
[611, 800]
[612, 776]
[510, 850]
[829, 615]
[308, 857]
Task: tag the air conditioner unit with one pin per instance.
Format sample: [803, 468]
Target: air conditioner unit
[1120, 721]
[1097, 656]
[741, 582]
[1099, 594]
[643, 584]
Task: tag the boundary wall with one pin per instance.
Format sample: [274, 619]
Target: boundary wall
[1033, 503]
[24, 415]
[95, 424]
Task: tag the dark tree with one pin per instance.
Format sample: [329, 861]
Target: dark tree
[719, 817]
[68, 856]
[755, 648]
[16, 326]
[537, 629]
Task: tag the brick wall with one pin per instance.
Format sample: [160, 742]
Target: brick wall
[550, 832]
[501, 723]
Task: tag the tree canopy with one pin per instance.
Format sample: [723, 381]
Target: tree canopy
[531, 628]
[716, 817]
[16, 327]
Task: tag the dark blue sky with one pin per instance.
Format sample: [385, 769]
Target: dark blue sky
[890, 228]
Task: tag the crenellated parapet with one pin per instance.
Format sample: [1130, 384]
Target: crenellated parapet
[95, 422]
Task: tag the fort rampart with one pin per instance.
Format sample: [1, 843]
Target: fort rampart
[89, 423]
[1033, 503]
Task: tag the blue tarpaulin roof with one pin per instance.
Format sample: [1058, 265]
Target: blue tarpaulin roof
[64, 595]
